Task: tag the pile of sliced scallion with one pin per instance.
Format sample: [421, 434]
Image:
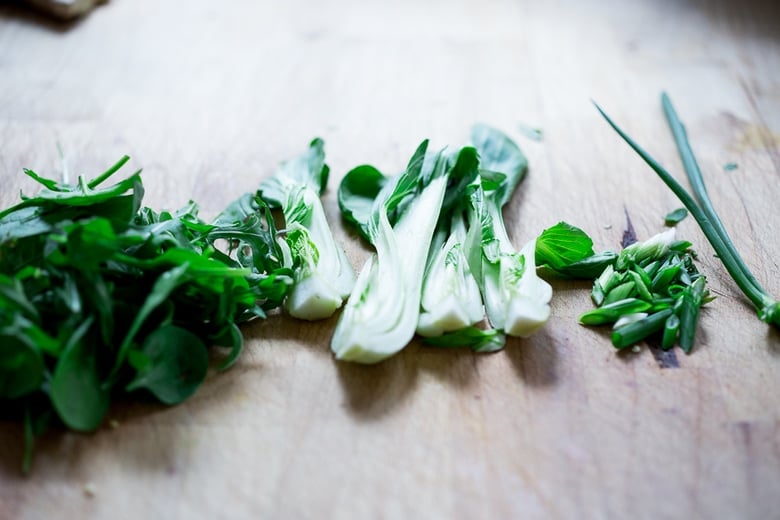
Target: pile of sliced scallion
[649, 287]
[700, 206]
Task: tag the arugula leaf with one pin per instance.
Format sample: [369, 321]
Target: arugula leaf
[89, 278]
[177, 362]
[76, 390]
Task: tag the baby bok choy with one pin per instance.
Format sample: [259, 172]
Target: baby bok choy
[516, 299]
[397, 215]
[323, 276]
[450, 295]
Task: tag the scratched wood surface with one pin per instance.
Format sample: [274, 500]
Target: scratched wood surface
[209, 96]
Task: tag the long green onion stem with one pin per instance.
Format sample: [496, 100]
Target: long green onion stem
[709, 222]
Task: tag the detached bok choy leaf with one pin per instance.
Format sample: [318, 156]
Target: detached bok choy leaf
[323, 276]
[451, 300]
[516, 299]
[398, 217]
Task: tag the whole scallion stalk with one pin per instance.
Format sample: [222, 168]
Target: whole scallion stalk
[700, 206]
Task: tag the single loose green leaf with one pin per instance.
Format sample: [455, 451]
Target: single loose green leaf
[675, 217]
[567, 251]
[561, 245]
[478, 340]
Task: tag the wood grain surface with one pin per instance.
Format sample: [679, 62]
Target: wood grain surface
[209, 96]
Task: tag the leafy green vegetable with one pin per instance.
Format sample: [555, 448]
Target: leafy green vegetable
[478, 340]
[21, 367]
[700, 206]
[174, 364]
[675, 217]
[516, 299]
[322, 273]
[567, 251]
[99, 294]
[382, 312]
[450, 295]
[76, 390]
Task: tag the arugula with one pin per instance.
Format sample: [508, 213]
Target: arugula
[100, 296]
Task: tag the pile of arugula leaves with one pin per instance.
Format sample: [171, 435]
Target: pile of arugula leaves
[100, 296]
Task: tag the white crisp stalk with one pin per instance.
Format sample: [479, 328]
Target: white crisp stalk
[450, 295]
[321, 286]
[654, 247]
[517, 301]
[518, 306]
[380, 317]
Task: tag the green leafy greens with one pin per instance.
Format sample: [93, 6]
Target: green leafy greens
[381, 314]
[516, 299]
[460, 230]
[101, 296]
[322, 272]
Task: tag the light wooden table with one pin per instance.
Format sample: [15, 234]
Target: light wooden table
[209, 96]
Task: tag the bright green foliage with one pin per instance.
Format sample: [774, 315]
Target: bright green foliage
[567, 251]
[451, 299]
[99, 296]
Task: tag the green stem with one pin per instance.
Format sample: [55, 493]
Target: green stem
[755, 294]
[697, 183]
[635, 332]
[108, 173]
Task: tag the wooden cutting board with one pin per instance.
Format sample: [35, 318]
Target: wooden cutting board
[208, 97]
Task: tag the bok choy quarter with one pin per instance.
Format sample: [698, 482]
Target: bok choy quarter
[398, 216]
